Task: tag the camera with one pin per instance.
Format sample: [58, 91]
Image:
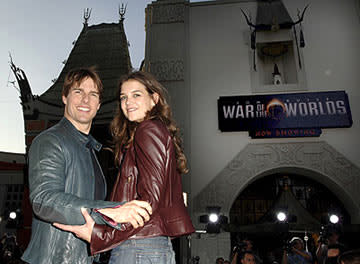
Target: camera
[326, 232]
[323, 234]
[240, 247]
[288, 246]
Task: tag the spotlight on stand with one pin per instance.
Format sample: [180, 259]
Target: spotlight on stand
[13, 218]
[331, 218]
[334, 219]
[281, 216]
[213, 219]
[12, 215]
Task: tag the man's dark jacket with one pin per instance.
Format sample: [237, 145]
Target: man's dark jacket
[62, 180]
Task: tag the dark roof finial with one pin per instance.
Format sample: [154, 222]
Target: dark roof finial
[87, 13]
[25, 90]
[122, 11]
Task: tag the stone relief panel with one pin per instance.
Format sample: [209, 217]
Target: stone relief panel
[170, 13]
[168, 70]
[318, 158]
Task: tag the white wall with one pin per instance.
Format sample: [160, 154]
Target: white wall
[220, 66]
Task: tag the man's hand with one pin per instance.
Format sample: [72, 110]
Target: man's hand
[134, 212]
[81, 231]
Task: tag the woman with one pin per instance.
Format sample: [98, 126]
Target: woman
[150, 158]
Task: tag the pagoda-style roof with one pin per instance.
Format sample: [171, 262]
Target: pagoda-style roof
[104, 46]
[304, 220]
[288, 201]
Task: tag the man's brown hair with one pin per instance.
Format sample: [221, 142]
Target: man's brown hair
[76, 76]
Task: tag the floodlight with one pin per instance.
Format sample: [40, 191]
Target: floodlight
[213, 217]
[281, 216]
[12, 215]
[334, 219]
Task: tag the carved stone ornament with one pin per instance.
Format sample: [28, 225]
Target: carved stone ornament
[168, 13]
[317, 160]
[168, 70]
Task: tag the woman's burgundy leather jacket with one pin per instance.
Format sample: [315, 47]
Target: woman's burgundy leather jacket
[148, 172]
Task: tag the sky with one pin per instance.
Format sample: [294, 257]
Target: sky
[39, 36]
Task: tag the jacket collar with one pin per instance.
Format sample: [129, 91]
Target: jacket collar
[88, 141]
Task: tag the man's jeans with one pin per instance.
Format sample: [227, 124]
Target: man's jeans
[154, 250]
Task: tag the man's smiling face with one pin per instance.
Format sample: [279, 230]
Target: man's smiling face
[82, 104]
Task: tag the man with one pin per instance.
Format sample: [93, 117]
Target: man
[247, 257]
[219, 260]
[297, 254]
[65, 177]
[246, 245]
[349, 257]
[329, 247]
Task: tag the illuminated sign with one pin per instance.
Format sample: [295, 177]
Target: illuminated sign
[284, 111]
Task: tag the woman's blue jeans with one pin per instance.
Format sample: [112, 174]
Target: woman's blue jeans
[154, 250]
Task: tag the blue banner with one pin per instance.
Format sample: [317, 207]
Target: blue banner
[294, 110]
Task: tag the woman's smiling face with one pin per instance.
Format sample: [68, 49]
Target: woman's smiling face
[136, 101]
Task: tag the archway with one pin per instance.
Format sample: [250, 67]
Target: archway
[307, 204]
[314, 160]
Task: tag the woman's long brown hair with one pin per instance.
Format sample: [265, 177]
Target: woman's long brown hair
[123, 130]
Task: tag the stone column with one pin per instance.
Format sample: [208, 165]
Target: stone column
[167, 57]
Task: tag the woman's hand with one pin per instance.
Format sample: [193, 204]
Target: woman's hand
[81, 231]
[134, 212]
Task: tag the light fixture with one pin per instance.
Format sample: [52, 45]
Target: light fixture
[213, 217]
[334, 219]
[281, 216]
[12, 215]
[213, 220]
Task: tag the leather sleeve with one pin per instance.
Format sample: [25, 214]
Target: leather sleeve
[150, 144]
[104, 237]
[150, 153]
[47, 184]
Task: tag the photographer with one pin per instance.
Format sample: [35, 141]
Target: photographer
[329, 247]
[349, 257]
[294, 253]
[246, 245]
[245, 257]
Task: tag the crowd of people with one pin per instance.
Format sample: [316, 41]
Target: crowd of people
[328, 250]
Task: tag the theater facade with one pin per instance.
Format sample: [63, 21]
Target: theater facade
[266, 93]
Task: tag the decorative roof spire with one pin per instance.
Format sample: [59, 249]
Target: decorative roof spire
[122, 11]
[25, 90]
[87, 13]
